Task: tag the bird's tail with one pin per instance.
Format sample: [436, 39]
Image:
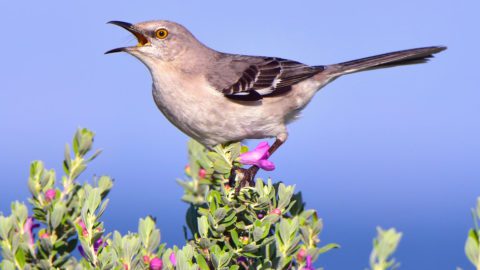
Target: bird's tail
[405, 57]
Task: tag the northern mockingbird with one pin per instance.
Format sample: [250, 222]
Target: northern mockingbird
[217, 97]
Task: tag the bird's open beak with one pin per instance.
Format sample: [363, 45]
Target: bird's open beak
[142, 40]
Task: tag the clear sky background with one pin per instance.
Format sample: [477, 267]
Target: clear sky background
[397, 147]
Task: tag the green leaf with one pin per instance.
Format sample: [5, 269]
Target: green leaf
[5, 226]
[95, 155]
[93, 200]
[220, 213]
[20, 212]
[67, 162]
[105, 183]
[203, 226]
[478, 208]
[298, 205]
[202, 263]
[57, 214]
[284, 195]
[236, 240]
[472, 247]
[20, 257]
[82, 142]
[258, 233]
[384, 245]
[191, 218]
[7, 265]
[327, 247]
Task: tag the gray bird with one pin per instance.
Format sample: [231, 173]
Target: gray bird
[217, 97]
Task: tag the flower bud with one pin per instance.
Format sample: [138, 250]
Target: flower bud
[146, 259]
[276, 211]
[202, 173]
[84, 228]
[50, 195]
[301, 255]
[156, 264]
[43, 235]
[244, 239]
[187, 170]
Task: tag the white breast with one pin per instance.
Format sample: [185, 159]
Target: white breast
[206, 115]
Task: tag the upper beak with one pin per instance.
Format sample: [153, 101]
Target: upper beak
[142, 40]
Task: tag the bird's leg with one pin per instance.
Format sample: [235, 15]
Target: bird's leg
[278, 142]
[248, 175]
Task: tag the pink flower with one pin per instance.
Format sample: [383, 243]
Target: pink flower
[172, 258]
[28, 229]
[84, 228]
[50, 195]
[259, 157]
[301, 255]
[146, 259]
[156, 264]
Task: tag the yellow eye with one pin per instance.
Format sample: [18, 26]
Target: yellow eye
[161, 33]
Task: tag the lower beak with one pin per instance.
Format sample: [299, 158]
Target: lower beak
[142, 40]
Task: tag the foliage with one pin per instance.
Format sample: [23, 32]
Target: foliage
[261, 227]
[472, 249]
[384, 245]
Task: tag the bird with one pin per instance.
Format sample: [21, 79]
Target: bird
[216, 97]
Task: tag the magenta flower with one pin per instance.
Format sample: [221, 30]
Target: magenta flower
[82, 252]
[156, 264]
[259, 157]
[309, 265]
[50, 194]
[96, 246]
[172, 258]
[241, 259]
[28, 229]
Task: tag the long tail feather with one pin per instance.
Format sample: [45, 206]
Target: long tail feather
[405, 57]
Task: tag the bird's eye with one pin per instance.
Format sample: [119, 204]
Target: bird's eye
[161, 33]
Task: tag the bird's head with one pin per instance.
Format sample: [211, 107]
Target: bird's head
[163, 41]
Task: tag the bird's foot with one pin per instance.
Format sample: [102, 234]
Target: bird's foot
[245, 176]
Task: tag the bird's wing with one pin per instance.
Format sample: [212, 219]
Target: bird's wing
[250, 78]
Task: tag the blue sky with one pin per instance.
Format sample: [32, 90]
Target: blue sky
[397, 147]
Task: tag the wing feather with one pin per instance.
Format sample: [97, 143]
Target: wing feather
[268, 76]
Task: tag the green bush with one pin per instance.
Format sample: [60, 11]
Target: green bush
[261, 227]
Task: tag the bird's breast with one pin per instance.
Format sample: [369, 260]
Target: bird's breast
[191, 104]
